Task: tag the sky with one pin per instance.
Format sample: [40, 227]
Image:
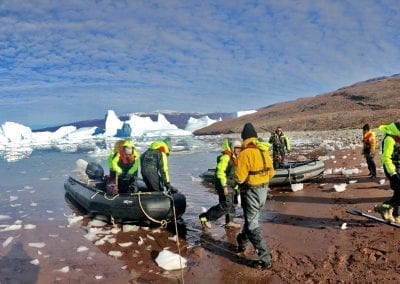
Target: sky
[66, 61]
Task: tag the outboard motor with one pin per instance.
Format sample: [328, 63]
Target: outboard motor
[95, 171]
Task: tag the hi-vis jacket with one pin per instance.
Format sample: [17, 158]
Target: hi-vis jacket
[225, 170]
[369, 142]
[391, 148]
[254, 164]
[121, 163]
[157, 157]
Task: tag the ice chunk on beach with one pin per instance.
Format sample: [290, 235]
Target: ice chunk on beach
[340, 187]
[296, 186]
[35, 262]
[81, 249]
[11, 228]
[37, 245]
[115, 253]
[168, 260]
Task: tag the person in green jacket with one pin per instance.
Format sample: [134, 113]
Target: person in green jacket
[225, 186]
[390, 160]
[280, 145]
[154, 166]
[123, 162]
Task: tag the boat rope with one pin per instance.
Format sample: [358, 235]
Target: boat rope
[112, 198]
[177, 237]
[163, 223]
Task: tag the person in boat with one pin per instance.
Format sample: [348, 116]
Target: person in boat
[123, 162]
[225, 186]
[253, 172]
[154, 166]
[390, 159]
[280, 145]
[369, 146]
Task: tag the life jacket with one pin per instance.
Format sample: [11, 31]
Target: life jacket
[265, 169]
[230, 169]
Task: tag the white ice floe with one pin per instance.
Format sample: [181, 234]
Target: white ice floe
[75, 219]
[130, 228]
[13, 198]
[141, 241]
[170, 261]
[35, 261]
[296, 186]
[65, 269]
[81, 249]
[127, 244]
[97, 223]
[11, 228]
[174, 238]
[34, 204]
[29, 226]
[7, 241]
[339, 187]
[4, 217]
[115, 253]
[37, 245]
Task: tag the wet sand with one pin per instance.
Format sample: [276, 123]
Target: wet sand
[303, 230]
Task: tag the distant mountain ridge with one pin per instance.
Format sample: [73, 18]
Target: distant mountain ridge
[374, 101]
[176, 118]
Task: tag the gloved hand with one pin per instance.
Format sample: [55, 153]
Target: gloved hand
[395, 180]
[170, 188]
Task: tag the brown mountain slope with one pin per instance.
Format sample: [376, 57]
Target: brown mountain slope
[374, 101]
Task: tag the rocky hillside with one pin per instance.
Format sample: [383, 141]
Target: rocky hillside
[373, 101]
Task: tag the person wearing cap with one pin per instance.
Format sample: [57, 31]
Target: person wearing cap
[154, 166]
[225, 186]
[253, 172]
[280, 145]
[369, 147]
[123, 162]
[390, 159]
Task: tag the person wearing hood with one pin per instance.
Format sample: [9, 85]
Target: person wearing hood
[225, 186]
[253, 172]
[154, 166]
[369, 147]
[390, 159]
[123, 162]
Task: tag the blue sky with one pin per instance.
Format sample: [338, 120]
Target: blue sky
[64, 61]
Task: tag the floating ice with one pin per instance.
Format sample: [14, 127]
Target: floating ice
[13, 198]
[29, 226]
[170, 261]
[34, 262]
[37, 245]
[81, 249]
[11, 228]
[7, 241]
[4, 217]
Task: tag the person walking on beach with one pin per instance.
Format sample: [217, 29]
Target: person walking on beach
[225, 186]
[123, 162]
[154, 166]
[253, 172]
[369, 146]
[280, 145]
[391, 166]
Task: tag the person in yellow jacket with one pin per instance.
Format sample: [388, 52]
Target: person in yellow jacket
[369, 147]
[154, 166]
[225, 186]
[390, 160]
[123, 162]
[253, 172]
